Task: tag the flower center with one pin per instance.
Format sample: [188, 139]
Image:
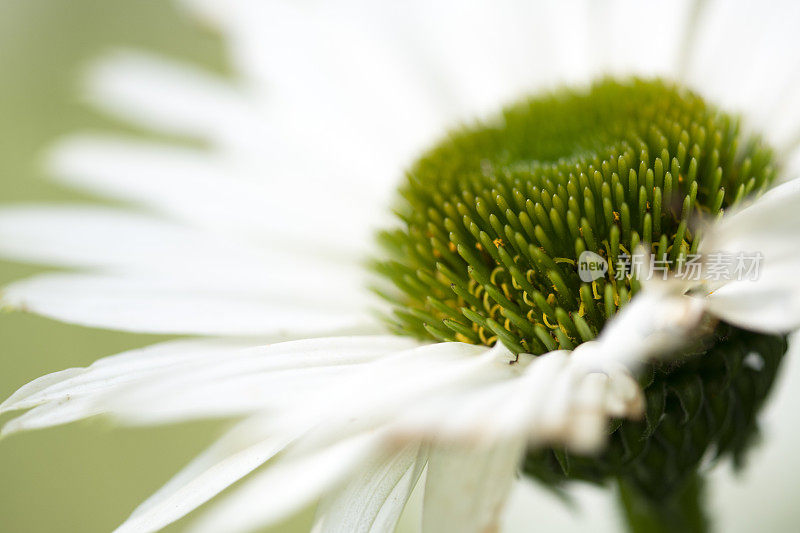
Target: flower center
[497, 217]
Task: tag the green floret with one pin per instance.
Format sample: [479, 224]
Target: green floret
[495, 217]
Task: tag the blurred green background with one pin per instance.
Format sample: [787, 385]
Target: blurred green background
[82, 477]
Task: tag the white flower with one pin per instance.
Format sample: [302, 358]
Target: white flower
[256, 245]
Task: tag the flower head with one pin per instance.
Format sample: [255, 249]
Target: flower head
[500, 356]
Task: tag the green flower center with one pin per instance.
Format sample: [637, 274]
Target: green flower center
[495, 218]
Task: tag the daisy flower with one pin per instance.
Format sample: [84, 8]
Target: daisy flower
[500, 323]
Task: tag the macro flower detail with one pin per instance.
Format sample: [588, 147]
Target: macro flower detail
[498, 215]
[464, 347]
[495, 221]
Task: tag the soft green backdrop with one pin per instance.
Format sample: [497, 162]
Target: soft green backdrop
[82, 477]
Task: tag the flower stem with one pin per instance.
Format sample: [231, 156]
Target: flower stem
[681, 511]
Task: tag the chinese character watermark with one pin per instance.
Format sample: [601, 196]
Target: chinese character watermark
[716, 266]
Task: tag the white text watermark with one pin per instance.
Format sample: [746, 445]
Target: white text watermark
[716, 266]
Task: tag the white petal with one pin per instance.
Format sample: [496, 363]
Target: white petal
[284, 198]
[288, 486]
[520, 411]
[23, 397]
[483, 413]
[99, 237]
[380, 106]
[53, 414]
[116, 370]
[77, 394]
[179, 304]
[190, 379]
[166, 95]
[240, 451]
[587, 420]
[169, 260]
[230, 396]
[658, 321]
[374, 395]
[771, 302]
[373, 500]
[274, 380]
[556, 398]
[769, 221]
[620, 31]
[764, 48]
[466, 488]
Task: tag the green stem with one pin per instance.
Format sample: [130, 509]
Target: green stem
[680, 512]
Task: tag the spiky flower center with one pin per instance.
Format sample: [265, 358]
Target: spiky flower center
[496, 216]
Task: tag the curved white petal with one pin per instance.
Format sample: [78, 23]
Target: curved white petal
[373, 500]
[288, 486]
[555, 398]
[770, 300]
[186, 303]
[190, 379]
[767, 221]
[466, 487]
[237, 453]
[502, 408]
[290, 200]
[117, 370]
[272, 380]
[97, 237]
[169, 96]
[53, 414]
[25, 396]
[620, 34]
[754, 73]
[150, 261]
[375, 394]
[768, 307]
